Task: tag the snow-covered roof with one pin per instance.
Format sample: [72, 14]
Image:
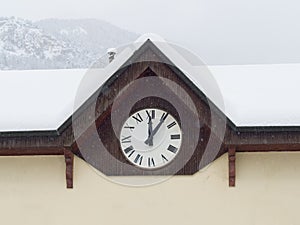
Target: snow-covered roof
[37, 99]
[253, 95]
[260, 95]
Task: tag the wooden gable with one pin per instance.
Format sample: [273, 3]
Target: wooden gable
[148, 61]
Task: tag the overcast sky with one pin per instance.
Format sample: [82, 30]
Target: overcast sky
[219, 31]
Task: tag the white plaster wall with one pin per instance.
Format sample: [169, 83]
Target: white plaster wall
[32, 191]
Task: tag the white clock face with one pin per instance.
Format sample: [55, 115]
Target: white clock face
[150, 138]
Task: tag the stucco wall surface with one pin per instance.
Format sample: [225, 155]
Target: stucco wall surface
[32, 191]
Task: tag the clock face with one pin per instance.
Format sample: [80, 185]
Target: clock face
[150, 138]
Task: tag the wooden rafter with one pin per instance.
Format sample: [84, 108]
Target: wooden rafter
[231, 164]
[69, 160]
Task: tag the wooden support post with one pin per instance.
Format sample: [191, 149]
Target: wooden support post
[69, 160]
[231, 161]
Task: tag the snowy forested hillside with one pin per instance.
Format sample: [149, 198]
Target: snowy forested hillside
[57, 44]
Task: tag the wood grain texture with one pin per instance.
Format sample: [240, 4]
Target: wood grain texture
[69, 160]
[231, 165]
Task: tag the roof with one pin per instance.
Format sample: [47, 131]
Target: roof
[249, 95]
[36, 99]
[260, 95]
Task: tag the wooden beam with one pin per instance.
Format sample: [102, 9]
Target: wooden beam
[23, 151]
[69, 160]
[267, 147]
[231, 164]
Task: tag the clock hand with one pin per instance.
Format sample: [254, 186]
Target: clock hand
[154, 131]
[150, 131]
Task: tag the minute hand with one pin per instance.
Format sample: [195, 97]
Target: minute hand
[150, 131]
[154, 131]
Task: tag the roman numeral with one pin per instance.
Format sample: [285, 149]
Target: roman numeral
[141, 160]
[171, 125]
[151, 162]
[129, 127]
[137, 159]
[175, 136]
[126, 139]
[138, 118]
[164, 158]
[128, 149]
[171, 148]
[164, 116]
[152, 115]
[131, 153]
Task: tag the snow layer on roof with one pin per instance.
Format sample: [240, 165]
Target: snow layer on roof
[251, 95]
[37, 99]
[260, 95]
[254, 95]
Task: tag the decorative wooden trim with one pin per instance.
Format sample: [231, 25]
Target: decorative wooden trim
[69, 160]
[231, 164]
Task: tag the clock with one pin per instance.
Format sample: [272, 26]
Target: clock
[150, 138]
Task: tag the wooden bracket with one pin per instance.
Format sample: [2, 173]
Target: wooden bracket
[69, 160]
[231, 162]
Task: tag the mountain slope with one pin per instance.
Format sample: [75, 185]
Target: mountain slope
[57, 44]
[90, 34]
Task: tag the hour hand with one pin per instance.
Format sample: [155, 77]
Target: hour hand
[150, 138]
